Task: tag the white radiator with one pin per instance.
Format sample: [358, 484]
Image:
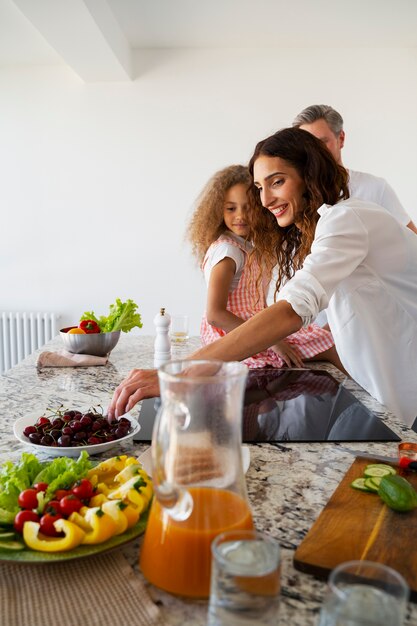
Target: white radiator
[23, 333]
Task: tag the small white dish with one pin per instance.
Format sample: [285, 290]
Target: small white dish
[29, 420]
[146, 459]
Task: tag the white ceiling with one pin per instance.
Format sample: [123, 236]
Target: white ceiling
[96, 38]
[267, 23]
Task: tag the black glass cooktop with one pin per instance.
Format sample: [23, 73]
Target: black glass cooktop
[295, 405]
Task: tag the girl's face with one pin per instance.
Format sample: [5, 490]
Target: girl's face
[235, 210]
[280, 187]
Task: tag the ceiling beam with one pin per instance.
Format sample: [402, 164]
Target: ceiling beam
[85, 34]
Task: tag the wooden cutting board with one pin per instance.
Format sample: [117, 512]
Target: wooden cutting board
[355, 525]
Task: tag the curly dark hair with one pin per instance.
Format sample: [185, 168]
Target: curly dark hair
[326, 182]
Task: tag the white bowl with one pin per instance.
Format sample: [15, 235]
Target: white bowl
[96, 344]
[29, 420]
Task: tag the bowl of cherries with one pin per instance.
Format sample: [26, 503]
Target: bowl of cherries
[65, 432]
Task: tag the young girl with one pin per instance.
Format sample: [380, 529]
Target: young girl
[237, 276]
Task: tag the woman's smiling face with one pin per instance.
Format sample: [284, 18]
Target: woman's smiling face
[281, 188]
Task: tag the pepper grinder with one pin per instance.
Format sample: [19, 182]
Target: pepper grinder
[162, 352]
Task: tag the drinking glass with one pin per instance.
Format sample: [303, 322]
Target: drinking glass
[179, 329]
[245, 579]
[363, 593]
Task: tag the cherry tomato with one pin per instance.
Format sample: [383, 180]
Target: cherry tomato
[27, 499]
[83, 489]
[47, 524]
[61, 493]
[40, 486]
[70, 504]
[22, 517]
[53, 507]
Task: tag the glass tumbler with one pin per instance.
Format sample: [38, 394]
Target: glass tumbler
[245, 580]
[178, 331]
[363, 593]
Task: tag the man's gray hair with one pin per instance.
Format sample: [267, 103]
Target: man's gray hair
[320, 112]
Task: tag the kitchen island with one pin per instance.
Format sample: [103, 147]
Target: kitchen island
[288, 483]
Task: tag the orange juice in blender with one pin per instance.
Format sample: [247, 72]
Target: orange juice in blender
[199, 483]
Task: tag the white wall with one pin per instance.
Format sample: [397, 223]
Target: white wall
[98, 180]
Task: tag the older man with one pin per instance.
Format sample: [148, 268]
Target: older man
[326, 124]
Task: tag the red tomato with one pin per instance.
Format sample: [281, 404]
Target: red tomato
[70, 504]
[83, 489]
[47, 524]
[61, 493]
[53, 507]
[27, 499]
[40, 486]
[22, 517]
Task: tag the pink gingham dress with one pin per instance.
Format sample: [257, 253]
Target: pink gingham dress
[245, 301]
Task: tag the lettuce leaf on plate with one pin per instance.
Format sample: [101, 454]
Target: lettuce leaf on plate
[63, 472]
[15, 477]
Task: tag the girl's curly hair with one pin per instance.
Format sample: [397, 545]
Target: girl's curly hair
[207, 224]
[326, 182]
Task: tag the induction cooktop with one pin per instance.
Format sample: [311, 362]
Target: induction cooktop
[294, 405]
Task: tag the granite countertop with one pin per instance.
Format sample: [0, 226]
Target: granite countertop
[285, 480]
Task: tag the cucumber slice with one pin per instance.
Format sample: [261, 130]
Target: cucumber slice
[379, 470]
[369, 483]
[375, 480]
[359, 483]
[4, 536]
[11, 545]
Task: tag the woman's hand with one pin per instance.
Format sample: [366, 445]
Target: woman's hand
[138, 385]
[288, 352]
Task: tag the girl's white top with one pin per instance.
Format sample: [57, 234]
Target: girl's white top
[363, 268]
[223, 250]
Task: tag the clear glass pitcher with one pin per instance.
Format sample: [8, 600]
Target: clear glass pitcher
[199, 483]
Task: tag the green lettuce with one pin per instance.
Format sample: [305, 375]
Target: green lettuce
[61, 473]
[15, 477]
[122, 316]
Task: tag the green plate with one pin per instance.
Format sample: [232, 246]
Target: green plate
[32, 556]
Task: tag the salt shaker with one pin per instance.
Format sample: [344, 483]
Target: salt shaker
[162, 352]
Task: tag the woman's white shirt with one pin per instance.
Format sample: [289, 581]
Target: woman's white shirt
[363, 268]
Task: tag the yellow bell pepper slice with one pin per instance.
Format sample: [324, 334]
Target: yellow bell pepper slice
[98, 500]
[74, 535]
[137, 490]
[128, 472]
[114, 508]
[132, 513]
[98, 525]
[107, 470]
